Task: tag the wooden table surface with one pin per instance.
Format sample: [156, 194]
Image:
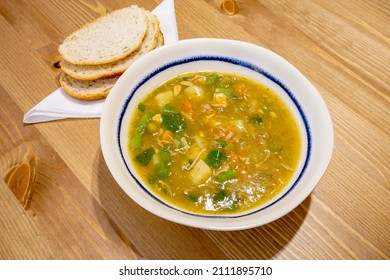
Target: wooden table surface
[58, 199]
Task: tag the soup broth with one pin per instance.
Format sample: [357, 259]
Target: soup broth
[214, 143]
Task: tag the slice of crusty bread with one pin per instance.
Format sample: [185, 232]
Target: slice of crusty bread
[91, 72]
[160, 39]
[94, 89]
[87, 90]
[106, 39]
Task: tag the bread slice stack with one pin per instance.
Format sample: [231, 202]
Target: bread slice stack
[94, 57]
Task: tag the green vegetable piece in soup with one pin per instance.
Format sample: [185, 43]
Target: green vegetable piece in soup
[256, 119]
[211, 80]
[172, 121]
[192, 197]
[220, 196]
[165, 155]
[161, 170]
[227, 91]
[214, 158]
[145, 157]
[141, 107]
[227, 175]
[168, 109]
[145, 119]
[135, 141]
[221, 143]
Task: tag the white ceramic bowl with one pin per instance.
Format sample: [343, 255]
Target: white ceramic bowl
[220, 55]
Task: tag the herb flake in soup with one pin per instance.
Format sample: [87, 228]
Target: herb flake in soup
[214, 143]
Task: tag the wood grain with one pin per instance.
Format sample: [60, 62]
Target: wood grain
[19, 238]
[59, 201]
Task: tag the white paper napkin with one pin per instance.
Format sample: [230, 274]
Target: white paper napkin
[59, 105]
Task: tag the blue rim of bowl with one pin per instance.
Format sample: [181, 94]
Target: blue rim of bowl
[237, 62]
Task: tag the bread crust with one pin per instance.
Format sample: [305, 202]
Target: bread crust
[91, 72]
[93, 80]
[96, 93]
[70, 49]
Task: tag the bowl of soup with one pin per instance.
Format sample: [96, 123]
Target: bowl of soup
[216, 134]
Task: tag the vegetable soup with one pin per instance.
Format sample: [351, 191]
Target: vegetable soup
[214, 143]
